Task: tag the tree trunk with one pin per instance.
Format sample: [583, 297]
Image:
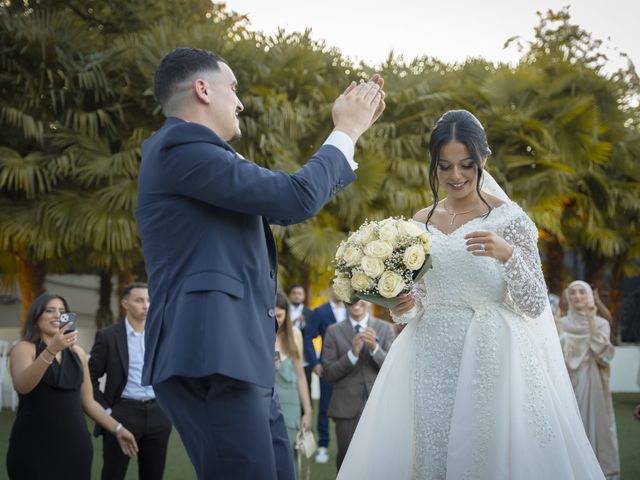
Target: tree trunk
[554, 264]
[31, 276]
[615, 295]
[595, 265]
[125, 277]
[104, 315]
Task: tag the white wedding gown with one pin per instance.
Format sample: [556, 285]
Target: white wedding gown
[475, 386]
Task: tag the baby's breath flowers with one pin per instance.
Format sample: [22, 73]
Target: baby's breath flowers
[381, 260]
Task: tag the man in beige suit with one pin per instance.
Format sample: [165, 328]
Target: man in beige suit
[352, 355]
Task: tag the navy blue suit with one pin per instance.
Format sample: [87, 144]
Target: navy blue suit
[321, 318]
[211, 261]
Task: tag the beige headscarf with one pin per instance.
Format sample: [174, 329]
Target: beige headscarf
[576, 321]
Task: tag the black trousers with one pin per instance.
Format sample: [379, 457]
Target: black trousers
[151, 427]
[231, 429]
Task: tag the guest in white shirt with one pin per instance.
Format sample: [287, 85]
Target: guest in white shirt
[300, 315]
[118, 352]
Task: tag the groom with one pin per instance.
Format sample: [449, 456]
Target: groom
[203, 214]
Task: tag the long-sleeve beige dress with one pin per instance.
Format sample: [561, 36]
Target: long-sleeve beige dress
[588, 356]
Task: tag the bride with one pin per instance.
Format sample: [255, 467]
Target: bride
[475, 386]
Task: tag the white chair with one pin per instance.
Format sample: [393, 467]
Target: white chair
[6, 384]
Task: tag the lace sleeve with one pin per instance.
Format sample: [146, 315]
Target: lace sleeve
[523, 271]
[419, 292]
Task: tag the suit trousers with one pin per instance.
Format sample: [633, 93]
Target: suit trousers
[345, 428]
[151, 427]
[231, 429]
[326, 389]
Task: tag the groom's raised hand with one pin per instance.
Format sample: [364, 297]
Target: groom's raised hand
[359, 106]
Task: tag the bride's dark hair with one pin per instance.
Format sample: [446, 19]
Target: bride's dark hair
[457, 126]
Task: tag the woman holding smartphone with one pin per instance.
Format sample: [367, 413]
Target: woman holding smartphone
[49, 438]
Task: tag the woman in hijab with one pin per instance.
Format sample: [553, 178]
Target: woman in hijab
[588, 352]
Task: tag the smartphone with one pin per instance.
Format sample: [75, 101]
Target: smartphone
[69, 318]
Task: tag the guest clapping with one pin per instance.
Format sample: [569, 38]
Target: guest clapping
[49, 438]
[588, 352]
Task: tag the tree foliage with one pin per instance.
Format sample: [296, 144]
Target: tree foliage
[76, 104]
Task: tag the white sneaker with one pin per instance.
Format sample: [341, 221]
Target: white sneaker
[323, 455]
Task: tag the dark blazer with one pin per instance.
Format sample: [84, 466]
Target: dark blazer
[321, 318]
[110, 356]
[352, 383]
[211, 261]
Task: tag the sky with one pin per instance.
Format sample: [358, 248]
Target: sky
[451, 31]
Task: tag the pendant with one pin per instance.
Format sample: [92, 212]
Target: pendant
[453, 218]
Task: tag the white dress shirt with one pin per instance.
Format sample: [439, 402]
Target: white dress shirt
[343, 142]
[134, 388]
[295, 313]
[339, 311]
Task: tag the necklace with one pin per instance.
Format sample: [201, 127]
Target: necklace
[455, 214]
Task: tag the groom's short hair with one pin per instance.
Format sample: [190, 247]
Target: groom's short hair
[178, 66]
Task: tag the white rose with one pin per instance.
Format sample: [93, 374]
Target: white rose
[409, 229]
[390, 284]
[414, 257]
[389, 233]
[378, 249]
[352, 255]
[340, 251]
[365, 234]
[360, 281]
[342, 288]
[373, 267]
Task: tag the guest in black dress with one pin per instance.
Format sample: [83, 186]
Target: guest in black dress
[49, 439]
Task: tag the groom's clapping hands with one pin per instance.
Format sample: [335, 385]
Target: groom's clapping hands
[359, 106]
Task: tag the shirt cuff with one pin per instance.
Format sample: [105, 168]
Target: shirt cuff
[343, 142]
[352, 358]
[375, 351]
[108, 410]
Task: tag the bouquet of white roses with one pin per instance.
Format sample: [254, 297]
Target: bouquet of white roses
[381, 260]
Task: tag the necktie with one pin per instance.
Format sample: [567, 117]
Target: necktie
[358, 328]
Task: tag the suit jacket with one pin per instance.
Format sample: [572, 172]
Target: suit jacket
[110, 356]
[320, 320]
[211, 261]
[352, 383]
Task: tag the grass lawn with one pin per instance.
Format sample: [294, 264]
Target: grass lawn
[179, 467]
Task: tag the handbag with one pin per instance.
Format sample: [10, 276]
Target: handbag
[306, 443]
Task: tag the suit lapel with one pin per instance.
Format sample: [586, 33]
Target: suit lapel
[123, 349]
[332, 317]
[271, 245]
[347, 330]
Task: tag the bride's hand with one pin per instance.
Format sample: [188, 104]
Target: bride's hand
[407, 302]
[488, 244]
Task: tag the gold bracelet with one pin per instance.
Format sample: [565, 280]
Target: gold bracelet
[45, 360]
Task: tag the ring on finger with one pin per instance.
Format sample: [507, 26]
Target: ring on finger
[482, 247]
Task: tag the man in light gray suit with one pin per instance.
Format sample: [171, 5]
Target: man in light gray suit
[352, 355]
